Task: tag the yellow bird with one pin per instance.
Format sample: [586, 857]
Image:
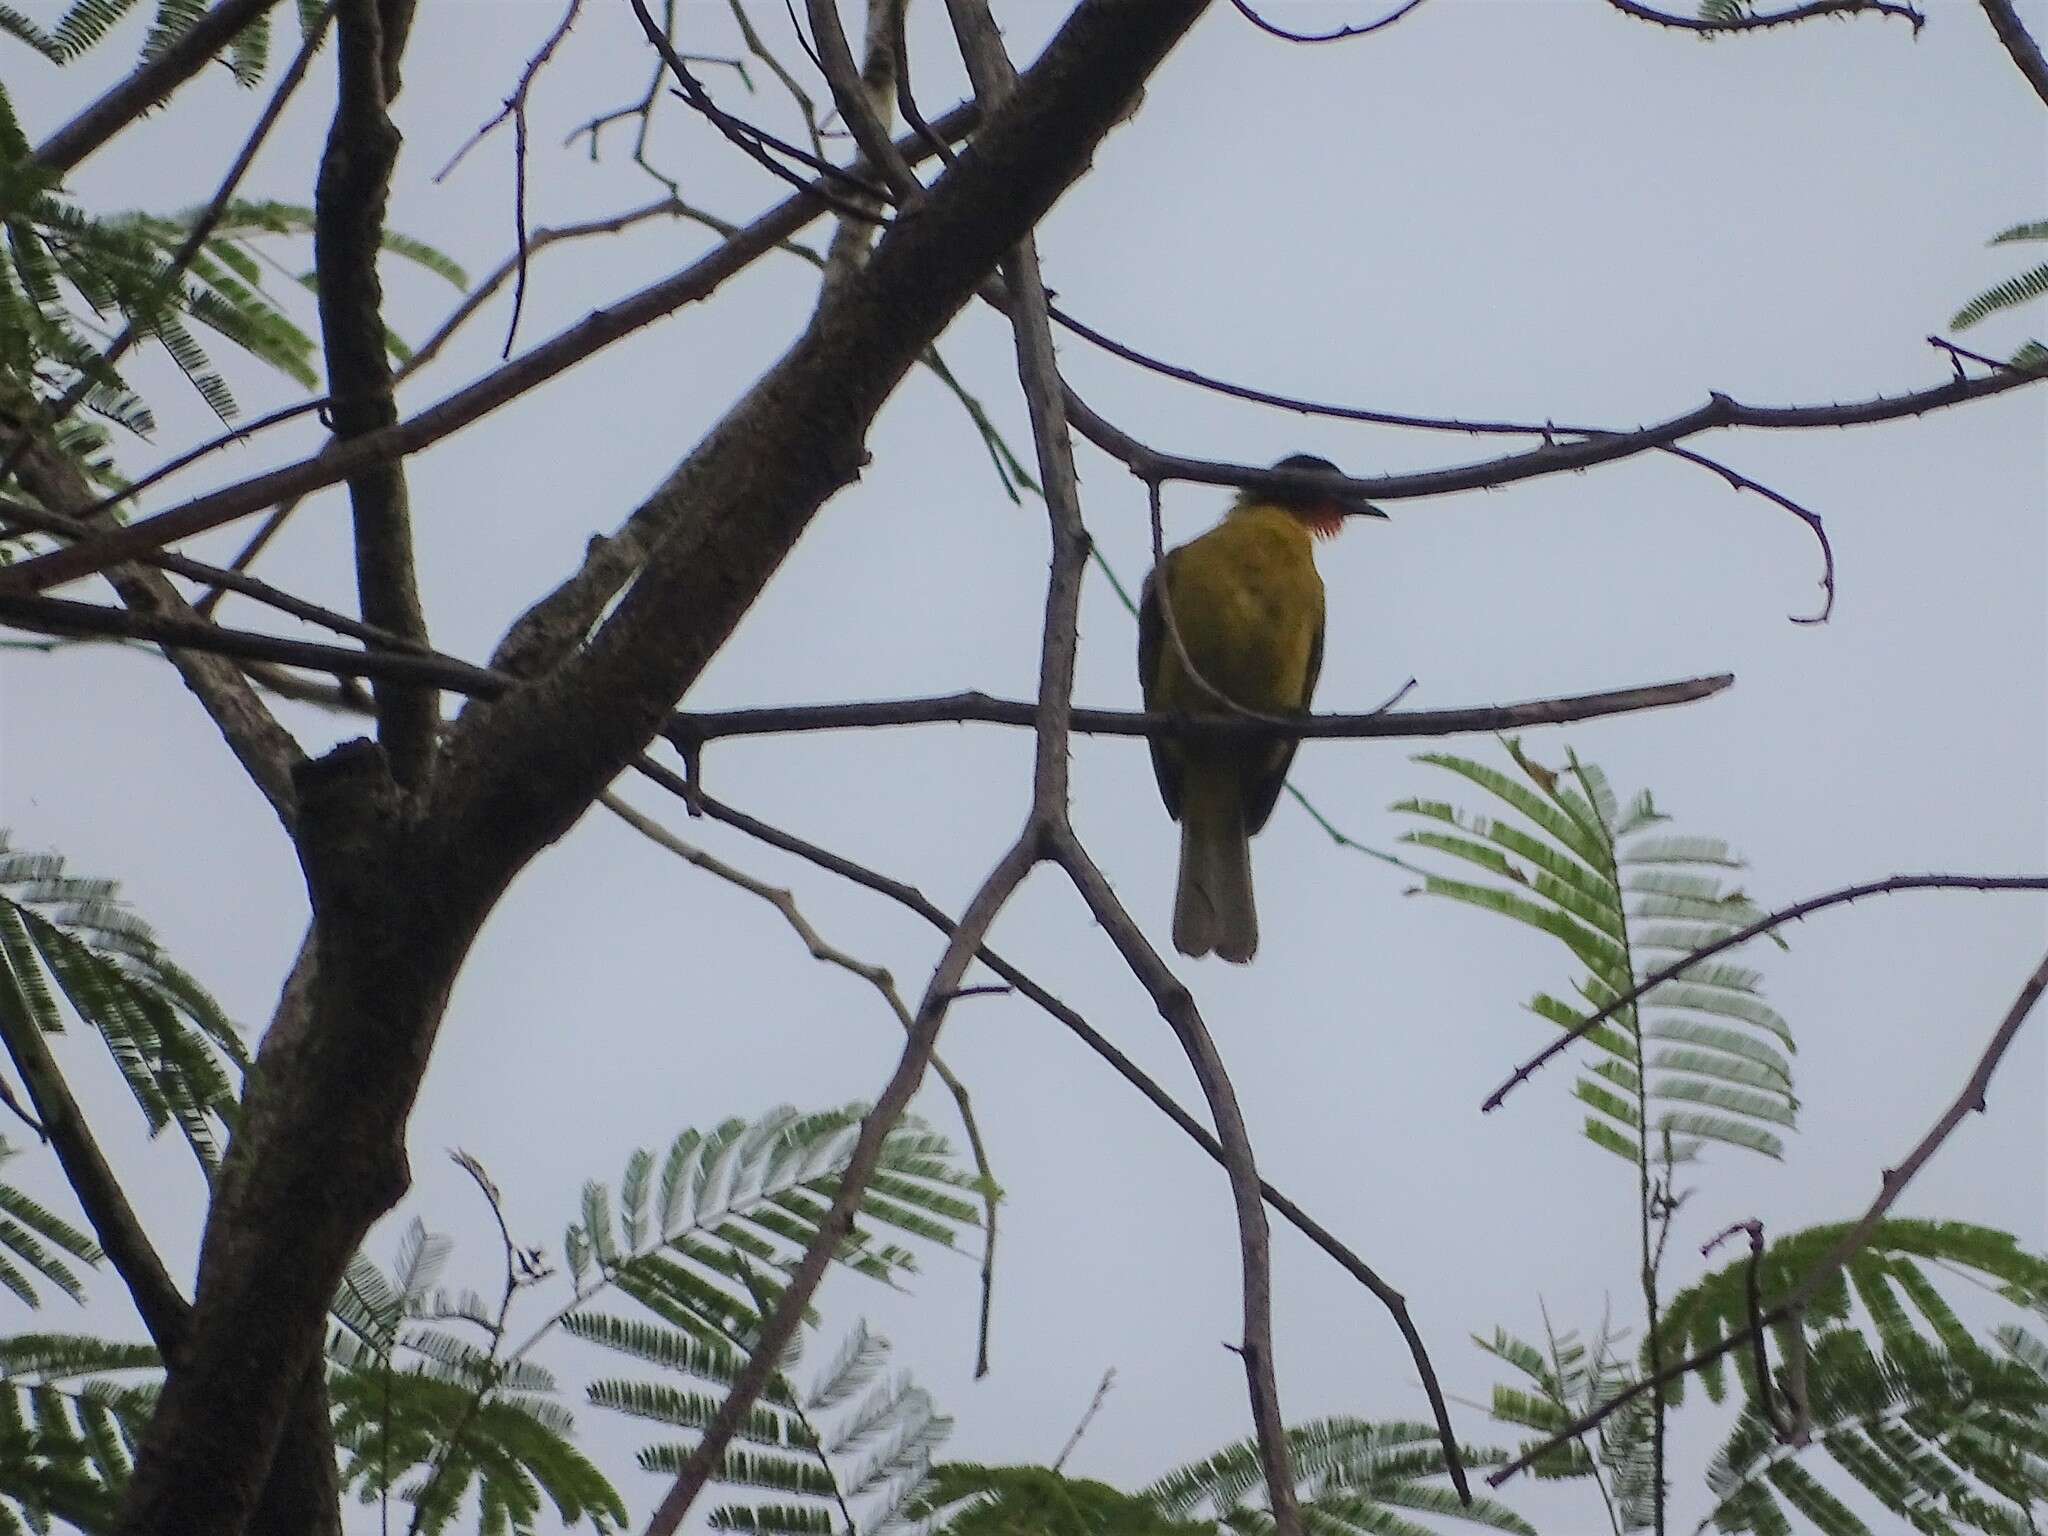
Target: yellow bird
[1248, 605]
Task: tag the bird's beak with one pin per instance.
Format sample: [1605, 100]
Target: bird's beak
[1356, 507]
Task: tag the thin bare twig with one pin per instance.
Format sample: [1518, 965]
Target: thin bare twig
[515, 109]
[1752, 1292]
[784, 901]
[755, 142]
[1762, 925]
[1362, 29]
[1094, 1407]
[1549, 431]
[1892, 1185]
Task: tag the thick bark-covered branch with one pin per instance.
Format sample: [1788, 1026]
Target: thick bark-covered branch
[348, 237]
[151, 82]
[162, 1307]
[2019, 42]
[400, 884]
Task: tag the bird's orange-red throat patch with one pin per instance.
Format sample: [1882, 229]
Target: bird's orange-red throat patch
[1325, 521]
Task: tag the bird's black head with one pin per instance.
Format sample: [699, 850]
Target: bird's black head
[1324, 510]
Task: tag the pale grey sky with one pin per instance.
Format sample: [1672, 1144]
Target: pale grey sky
[1506, 208]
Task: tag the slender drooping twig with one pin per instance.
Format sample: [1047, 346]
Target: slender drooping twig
[1891, 1185]
[1743, 935]
[784, 901]
[1337, 35]
[515, 109]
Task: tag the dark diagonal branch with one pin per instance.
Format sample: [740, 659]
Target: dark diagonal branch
[153, 80]
[465, 406]
[163, 1309]
[1891, 1185]
[1757, 21]
[2019, 42]
[191, 635]
[1362, 29]
[1743, 935]
[348, 237]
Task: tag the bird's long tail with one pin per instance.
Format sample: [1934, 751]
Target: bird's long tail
[1213, 910]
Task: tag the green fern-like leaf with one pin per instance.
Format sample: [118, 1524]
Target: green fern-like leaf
[2010, 294]
[65, 937]
[1602, 878]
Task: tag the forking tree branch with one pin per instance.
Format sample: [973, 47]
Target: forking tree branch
[399, 890]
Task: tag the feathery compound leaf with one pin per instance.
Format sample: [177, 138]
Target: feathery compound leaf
[64, 936]
[2010, 294]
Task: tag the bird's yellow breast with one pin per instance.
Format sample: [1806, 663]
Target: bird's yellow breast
[1249, 606]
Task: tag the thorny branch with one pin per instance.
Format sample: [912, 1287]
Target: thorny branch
[1892, 1185]
[1337, 35]
[1743, 935]
[1757, 21]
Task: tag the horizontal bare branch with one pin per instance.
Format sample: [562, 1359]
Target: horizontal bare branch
[1757, 21]
[1721, 411]
[690, 730]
